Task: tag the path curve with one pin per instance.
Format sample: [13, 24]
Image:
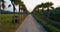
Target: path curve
[30, 25]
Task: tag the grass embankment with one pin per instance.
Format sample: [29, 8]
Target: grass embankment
[49, 27]
[6, 22]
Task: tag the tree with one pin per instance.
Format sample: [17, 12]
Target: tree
[13, 2]
[22, 7]
[20, 4]
[49, 7]
[42, 5]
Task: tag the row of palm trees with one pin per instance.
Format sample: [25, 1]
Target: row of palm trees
[14, 3]
[44, 7]
[20, 4]
[47, 5]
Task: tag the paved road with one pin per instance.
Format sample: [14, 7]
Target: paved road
[30, 25]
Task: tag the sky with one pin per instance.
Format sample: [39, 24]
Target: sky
[31, 4]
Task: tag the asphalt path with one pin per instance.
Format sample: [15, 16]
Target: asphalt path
[30, 25]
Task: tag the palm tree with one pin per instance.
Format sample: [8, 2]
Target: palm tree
[13, 3]
[19, 3]
[42, 5]
[22, 7]
[48, 6]
[36, 10]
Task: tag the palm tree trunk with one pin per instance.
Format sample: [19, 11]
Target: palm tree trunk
[19, 13]
[48, 16]
[14, 11]
[14, 15]
[42, 13]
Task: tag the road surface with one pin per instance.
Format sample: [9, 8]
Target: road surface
[30, 25]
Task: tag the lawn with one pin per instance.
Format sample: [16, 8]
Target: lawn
[6, 22]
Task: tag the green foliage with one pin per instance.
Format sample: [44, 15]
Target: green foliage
[43, 6]
[49, 18]
[48, 27]
[48, 4]
[16, 1]
[2, 0]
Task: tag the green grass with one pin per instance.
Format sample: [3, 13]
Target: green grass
[6, 22]
[49, 27]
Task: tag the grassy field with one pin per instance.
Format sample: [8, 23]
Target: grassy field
[6, 22]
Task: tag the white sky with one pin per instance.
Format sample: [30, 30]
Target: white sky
[30, 4]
